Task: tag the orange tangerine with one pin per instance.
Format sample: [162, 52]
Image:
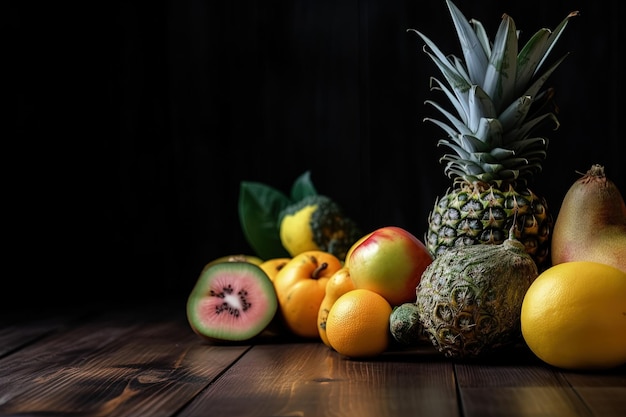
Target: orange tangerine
[358, 324]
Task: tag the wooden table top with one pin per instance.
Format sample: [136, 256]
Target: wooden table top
[147, 362]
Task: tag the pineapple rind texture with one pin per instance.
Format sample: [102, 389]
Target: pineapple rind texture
[470, 215]
[469, 299]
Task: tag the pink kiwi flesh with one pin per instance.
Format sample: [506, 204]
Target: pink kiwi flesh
[231, 301]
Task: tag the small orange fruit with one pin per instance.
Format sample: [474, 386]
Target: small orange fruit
[358, 324]
[300, 288]
[273, 266]
[338, 284]
[574, 316]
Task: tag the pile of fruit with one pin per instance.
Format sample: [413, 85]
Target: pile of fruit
[495, 268]
[344, 302]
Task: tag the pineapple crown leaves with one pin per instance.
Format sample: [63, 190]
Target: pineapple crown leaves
[496, 94]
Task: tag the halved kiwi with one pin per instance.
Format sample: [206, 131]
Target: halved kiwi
[231, 301]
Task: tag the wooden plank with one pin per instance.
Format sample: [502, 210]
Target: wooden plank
[149, 362]
[122, 367]
[514, 384]
[19, 331]
[298, 379]
[604, 392]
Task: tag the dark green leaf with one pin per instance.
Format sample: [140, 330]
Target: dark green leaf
[302, 187]
[259, 207]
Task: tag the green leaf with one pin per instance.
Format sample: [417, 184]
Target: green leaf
[259, 207]
[500, 74]
[302, 187]
[473, 49]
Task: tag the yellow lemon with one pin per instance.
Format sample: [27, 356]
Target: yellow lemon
[574, 316]
[295, 231]
[316, 223]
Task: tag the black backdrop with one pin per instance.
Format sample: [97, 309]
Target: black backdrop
[131, 126]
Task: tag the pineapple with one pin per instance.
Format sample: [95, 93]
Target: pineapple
[469, 299]
[500, 107]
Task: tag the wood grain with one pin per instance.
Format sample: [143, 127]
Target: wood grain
[16, 332]
[520, 383]
[310, 379]
[521, 391]
[148, 362]
[112, 366]
[604, 392]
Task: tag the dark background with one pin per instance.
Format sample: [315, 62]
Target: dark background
[131, 126]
